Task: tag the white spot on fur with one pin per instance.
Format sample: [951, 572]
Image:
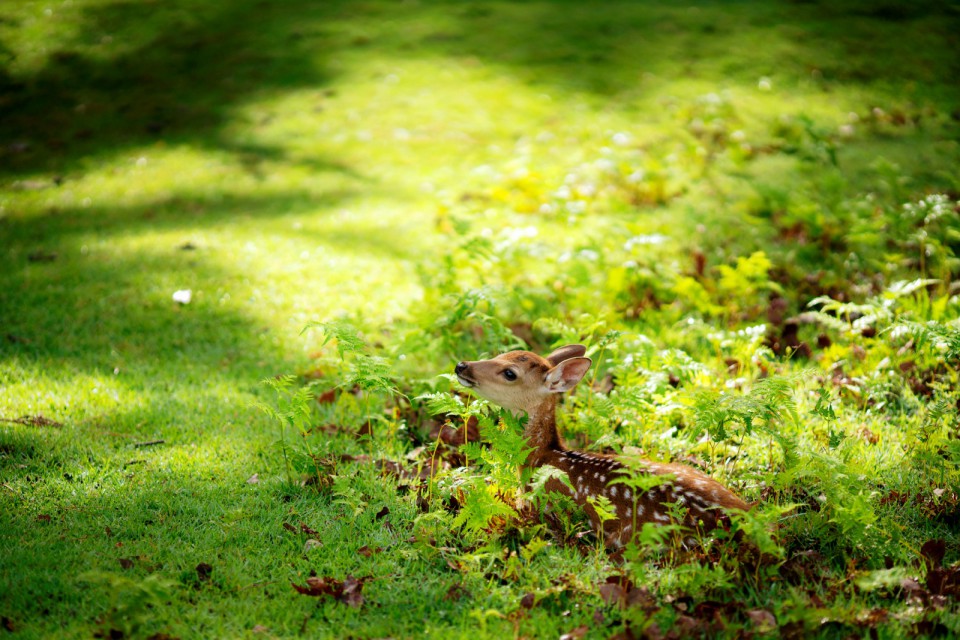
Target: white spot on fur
[659, 517]
[613, 492]
[626, 494]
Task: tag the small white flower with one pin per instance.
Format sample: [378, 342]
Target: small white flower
[182, 296]
[606, 164]
[764, 84]
[621, 138]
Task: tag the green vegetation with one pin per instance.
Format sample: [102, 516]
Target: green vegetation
[746, 210]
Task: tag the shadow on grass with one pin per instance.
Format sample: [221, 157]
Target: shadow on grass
[170, 71]
[176, 71]
[578, 48]
[87, 307]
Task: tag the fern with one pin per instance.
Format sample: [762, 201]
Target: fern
[542, 475]
[480, 507]
[506, 438]
[346, 336]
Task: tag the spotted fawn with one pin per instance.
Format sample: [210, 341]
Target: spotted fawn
[525, 383]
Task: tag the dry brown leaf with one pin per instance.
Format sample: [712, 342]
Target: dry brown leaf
[203, 571]
[763, 620]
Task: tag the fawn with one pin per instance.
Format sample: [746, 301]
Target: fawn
[523, 382]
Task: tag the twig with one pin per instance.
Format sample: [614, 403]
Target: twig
[306, 619]
[148, 444]
[132, 462]
[33, 421]
[10, 489]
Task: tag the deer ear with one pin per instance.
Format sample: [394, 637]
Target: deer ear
[566, 375]
[565, 353]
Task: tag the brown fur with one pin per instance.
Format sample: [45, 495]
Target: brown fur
[534, 392]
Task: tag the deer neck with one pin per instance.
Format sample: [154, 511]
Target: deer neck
[541, 432]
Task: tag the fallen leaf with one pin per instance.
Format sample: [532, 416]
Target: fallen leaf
[528, 600]
[933, 552]
[911, 587]
[612, 593]
[42, 256]
[260, 629]
[352, 595]
[688, 627]
[762, 620]
[640, 597]
[33, 421]
[327, 397]
[307, 530]
[873, 617]
[311, 544]
[43, 518]
[289, 527]
[455, 434]
[254, 479]
[944, 582]
[456, 592]
[575, 634]
[348, 591]
[365, 551]
[366, 429]
[203, 571]
[126, 563]
[317, 587]
[382, 513]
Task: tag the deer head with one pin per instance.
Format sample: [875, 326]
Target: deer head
[520, 381]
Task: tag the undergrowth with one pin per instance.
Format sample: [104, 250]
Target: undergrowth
[838, 422]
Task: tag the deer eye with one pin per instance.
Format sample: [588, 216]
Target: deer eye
[510, 375]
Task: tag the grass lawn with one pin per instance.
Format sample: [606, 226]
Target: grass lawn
[669, 185]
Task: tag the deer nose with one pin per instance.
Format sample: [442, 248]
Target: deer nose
[461, 367]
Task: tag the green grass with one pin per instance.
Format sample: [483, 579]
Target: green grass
[436, 174]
